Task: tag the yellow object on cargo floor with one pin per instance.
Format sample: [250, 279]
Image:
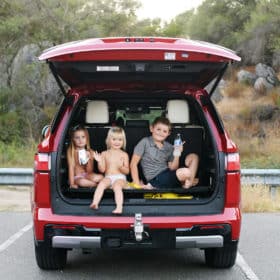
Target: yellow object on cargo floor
[133, 185]
[166, 196]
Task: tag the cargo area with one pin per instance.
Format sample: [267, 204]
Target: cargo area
[134, 112]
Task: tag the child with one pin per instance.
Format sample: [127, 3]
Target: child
[158, 163]
[80, 161]
[115, 163]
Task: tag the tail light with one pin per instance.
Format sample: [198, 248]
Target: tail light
[42, 167]
[232, 162]
[42, 162]
[232, 172]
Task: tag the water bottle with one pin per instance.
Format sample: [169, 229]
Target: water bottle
[83, 159]
[177, 143]
[178, 140]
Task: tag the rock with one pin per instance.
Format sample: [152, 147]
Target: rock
[261, 85]
[34, 76]
[216, 95]
[246, 77]
[25, 68]
[265, 112]
[267, 79]
[51, 91]
[267, 72]
[263, 70]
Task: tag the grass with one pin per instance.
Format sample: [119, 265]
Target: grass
[258, 198]
[257, 141]
[260, 161]
[14, 155]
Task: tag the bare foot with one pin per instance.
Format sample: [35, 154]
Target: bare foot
[189, 183]
[195, 181]
[147, 187]
[93, 206]
[117, 211]
[74, 187]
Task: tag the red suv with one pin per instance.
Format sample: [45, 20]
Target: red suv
[128, 82]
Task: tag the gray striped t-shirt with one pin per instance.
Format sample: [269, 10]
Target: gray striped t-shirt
[154, 160]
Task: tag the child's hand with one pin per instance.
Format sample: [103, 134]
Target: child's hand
[97, 156]
[181, 147]
[178, 149]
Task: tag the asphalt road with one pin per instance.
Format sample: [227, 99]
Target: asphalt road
[258, 256]
[260, 244]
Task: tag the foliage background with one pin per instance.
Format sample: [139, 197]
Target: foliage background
[251, 27]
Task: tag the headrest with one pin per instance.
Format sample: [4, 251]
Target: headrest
[178, 111]
[97, 111]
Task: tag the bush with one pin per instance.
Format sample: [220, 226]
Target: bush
[15, 155]
[12, 128]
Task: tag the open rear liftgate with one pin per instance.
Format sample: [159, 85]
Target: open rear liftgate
[140, 236]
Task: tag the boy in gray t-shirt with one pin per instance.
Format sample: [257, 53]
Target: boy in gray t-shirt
[159, 165]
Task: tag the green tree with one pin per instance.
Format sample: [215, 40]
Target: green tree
[178, 27]
[261, 33]
[11, 26]
[219, 21]
[61, 21]
[46, 23]
[146, 27]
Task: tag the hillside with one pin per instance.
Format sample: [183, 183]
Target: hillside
[253, 121]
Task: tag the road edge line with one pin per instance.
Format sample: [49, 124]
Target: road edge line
[14, 237]
[247, 270]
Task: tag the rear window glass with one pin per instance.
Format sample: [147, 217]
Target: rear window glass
[144, 114]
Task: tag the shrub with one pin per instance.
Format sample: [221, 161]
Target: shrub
[15, 155]
[12, 128]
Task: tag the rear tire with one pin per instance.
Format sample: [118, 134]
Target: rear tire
[50, 258]
[221, 257]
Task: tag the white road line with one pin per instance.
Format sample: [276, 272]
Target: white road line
[14, 237]
[247, 270]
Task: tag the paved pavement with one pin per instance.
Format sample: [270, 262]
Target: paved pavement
[260, 244]
[259, 248]
[258, 257]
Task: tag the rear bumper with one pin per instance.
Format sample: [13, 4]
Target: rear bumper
[86, 242]
[174, 232]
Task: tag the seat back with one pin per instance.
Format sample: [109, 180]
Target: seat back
[97, 112]
[97, 119]
[177, 111]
